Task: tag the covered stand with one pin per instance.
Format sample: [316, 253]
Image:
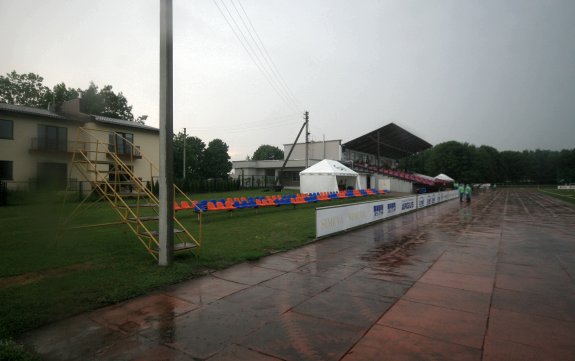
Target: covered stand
[444, 178]
[326, 175]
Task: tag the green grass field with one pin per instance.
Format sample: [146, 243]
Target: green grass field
[562, 194]
[47, 274]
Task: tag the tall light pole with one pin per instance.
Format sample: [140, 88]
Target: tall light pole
[166, 197]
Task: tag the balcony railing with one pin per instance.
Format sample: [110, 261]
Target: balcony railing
[44, 145]
[55, 146]
[126, 151]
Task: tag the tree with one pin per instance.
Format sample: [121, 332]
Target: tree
[60, 94]
[115, 105]
[28, 90]
[216, 160]
[91, 102]
[195, 149]
[487, 164]
[566, 166]
[24, 89]
[268, 152]
[107, 103]
[452, 158]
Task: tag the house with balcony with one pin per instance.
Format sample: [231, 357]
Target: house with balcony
[37, 145]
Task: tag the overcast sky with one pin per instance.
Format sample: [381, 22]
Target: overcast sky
[499, 73]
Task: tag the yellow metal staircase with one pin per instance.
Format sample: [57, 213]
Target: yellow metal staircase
[105, 159]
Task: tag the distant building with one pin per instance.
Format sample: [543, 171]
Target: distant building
[368, 155]
[36, 145]
[265, 172]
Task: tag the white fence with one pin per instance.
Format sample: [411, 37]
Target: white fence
[340, 218]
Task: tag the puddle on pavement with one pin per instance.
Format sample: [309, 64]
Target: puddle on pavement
[394, 254]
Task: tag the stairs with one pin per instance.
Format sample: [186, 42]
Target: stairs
[97, 158]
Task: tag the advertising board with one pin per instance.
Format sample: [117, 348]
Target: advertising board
[335, 219]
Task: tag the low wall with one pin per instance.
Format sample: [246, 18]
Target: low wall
[335, 219]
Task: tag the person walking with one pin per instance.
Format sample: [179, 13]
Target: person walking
[468, 192]
[461, 191]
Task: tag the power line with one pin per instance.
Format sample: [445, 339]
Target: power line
[289, 101]
[268, 57]
[246, 49]
[260, 124]
[270, 68]
[272, 120]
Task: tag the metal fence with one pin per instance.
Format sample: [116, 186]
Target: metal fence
[3, 194]
[256, 181]
[24, 192]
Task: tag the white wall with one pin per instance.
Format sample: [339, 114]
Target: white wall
[335, 219]
[330, 149]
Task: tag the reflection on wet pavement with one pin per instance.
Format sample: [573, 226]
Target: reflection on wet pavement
[425, 285]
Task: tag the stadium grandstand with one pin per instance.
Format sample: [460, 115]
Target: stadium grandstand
[375, 156]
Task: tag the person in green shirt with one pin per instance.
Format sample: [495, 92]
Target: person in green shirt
[468, 193]
[461, 191]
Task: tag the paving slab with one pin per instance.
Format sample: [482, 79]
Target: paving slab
[488, 280]
[459, 327]
[300, 337]
[386, 343]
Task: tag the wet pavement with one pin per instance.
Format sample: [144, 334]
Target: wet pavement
[490, 280]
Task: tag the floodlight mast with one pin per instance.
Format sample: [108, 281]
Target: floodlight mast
[166, 181]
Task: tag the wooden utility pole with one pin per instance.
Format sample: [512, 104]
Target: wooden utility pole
[166, 197]
[280, 172]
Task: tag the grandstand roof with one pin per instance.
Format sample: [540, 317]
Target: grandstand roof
[391, 140]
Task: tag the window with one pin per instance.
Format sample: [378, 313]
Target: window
[6, 129]
[121, 143]
[6, 169]
[52, 138]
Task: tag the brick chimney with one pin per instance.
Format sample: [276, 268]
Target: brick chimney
[71, 107]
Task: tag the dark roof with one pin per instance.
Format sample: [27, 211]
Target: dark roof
[50, 114]
[391, 140]
[126, 123]
[29, 110]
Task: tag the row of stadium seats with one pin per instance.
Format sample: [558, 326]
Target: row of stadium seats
[397, 174]
[408, 177]
[231, 204]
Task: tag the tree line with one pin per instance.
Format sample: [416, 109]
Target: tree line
[468, 163]
[211, 161]
[29, 90]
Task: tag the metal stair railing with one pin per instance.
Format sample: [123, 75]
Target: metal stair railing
[89, 161]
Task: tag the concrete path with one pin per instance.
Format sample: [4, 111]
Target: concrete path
[492, 280]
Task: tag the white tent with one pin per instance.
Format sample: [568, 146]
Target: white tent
[445, 178]
[325, 176]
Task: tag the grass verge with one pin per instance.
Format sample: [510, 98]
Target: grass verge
[565, 195]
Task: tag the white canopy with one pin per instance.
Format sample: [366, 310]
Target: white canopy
[443, 177]
[326, 175]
